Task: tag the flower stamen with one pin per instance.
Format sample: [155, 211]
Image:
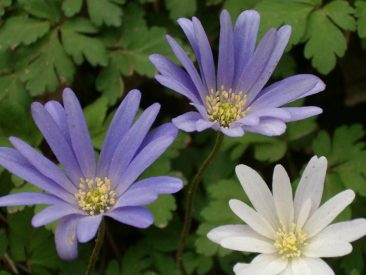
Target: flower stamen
[225, 106]
[95, 196]
[290, 241]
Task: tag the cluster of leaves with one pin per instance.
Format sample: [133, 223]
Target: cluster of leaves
[101, 48]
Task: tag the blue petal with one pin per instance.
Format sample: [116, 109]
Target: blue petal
[58, 114]
[53, 213]
[233, 131]
[299, 113]
[18, 165]
[187, 121]
[65, 237]
[288, 90]
[160, 185]
[166, 129]
[226, 63]
[28, 198]
[142, 161]
[245, 39]
[129, 145]
[268, 127]
[80, 137]
[57, 141]
[136, 197]
[43, 165]
[118, 128]
[205, 59]
[134, 216]
[87, 227]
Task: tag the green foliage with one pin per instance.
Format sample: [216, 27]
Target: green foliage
[361, 15]
[179, 8]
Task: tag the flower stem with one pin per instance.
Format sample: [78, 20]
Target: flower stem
[189, 202]
[96, 249]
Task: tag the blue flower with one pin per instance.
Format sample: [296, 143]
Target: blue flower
[233, 99]
[84, 190]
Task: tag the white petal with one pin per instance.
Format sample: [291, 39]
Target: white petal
[328, 212]
[282, 195]
[287, 271]
[303, 214]
[348, 231]
[252, 218]
[263, 264]
[248, 244]
[318, 266]
[311, 184]
[327, 248]
[258, 192]
[300, 267]
[232, 230]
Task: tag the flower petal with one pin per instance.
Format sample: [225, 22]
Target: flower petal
[118, 128]
[218, 234]
[57, 112]
[328, 212]
[53, 213]
[245, 39]
[247, 244]
[300, 267]
[288, 90]
[160, 185]
[13, 161]
[134, 216]
[263, 264]
[311, 184]
[43, 165]
[79, 133]
[318, 266]
[299, 113]
[282, 195]
[348, 231]
[136, 197]
[65, 238]
[87, 227]
[131, 142]
[188, 65]
[203, 124]
[252, 218]
[233, 131]
[28, 198]
[142, 161]
[57, 141]
[187, 121]
[258, 193]
[321, 248]
[268, 127]
[226, 63]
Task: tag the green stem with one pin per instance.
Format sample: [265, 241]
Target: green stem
[189, 202]
[96, 249]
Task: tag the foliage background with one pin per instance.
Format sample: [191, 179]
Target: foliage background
[100, 48]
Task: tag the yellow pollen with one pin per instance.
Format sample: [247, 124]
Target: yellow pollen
[290, 241]
[225, 106]
[95, 195]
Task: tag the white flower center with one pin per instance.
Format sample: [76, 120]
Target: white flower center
[95, 195]
[225, 106]
[290, 241]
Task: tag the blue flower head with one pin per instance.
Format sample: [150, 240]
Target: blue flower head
[233, 98]
[84, 190]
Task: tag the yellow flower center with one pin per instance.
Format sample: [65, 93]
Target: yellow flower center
[225, 106]
[290, 241]
[95, 195]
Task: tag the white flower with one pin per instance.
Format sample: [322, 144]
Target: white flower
[290, 234]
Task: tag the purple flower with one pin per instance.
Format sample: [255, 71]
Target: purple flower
[84, 191]
[234, 100]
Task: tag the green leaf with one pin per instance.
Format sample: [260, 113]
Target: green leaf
[324, 49]
[110, 82]
[79, 45]
[3, 5]
[162, 210]
[361, 16]
[19, 30]
[105, 12]
[346, 154]
[3, 243]
[197, 264]
[235, 7]
[178, 8]
[72, 7]
[292, 12]
[341, 13]
[49, 67]
[43, 9]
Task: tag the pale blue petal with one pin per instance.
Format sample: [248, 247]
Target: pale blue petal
[65, 238]
[135, 216]
[87, 227]
[28, 198]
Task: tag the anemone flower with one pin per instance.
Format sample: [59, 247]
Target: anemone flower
[83, 191]
[291, 235]
[234, 100]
